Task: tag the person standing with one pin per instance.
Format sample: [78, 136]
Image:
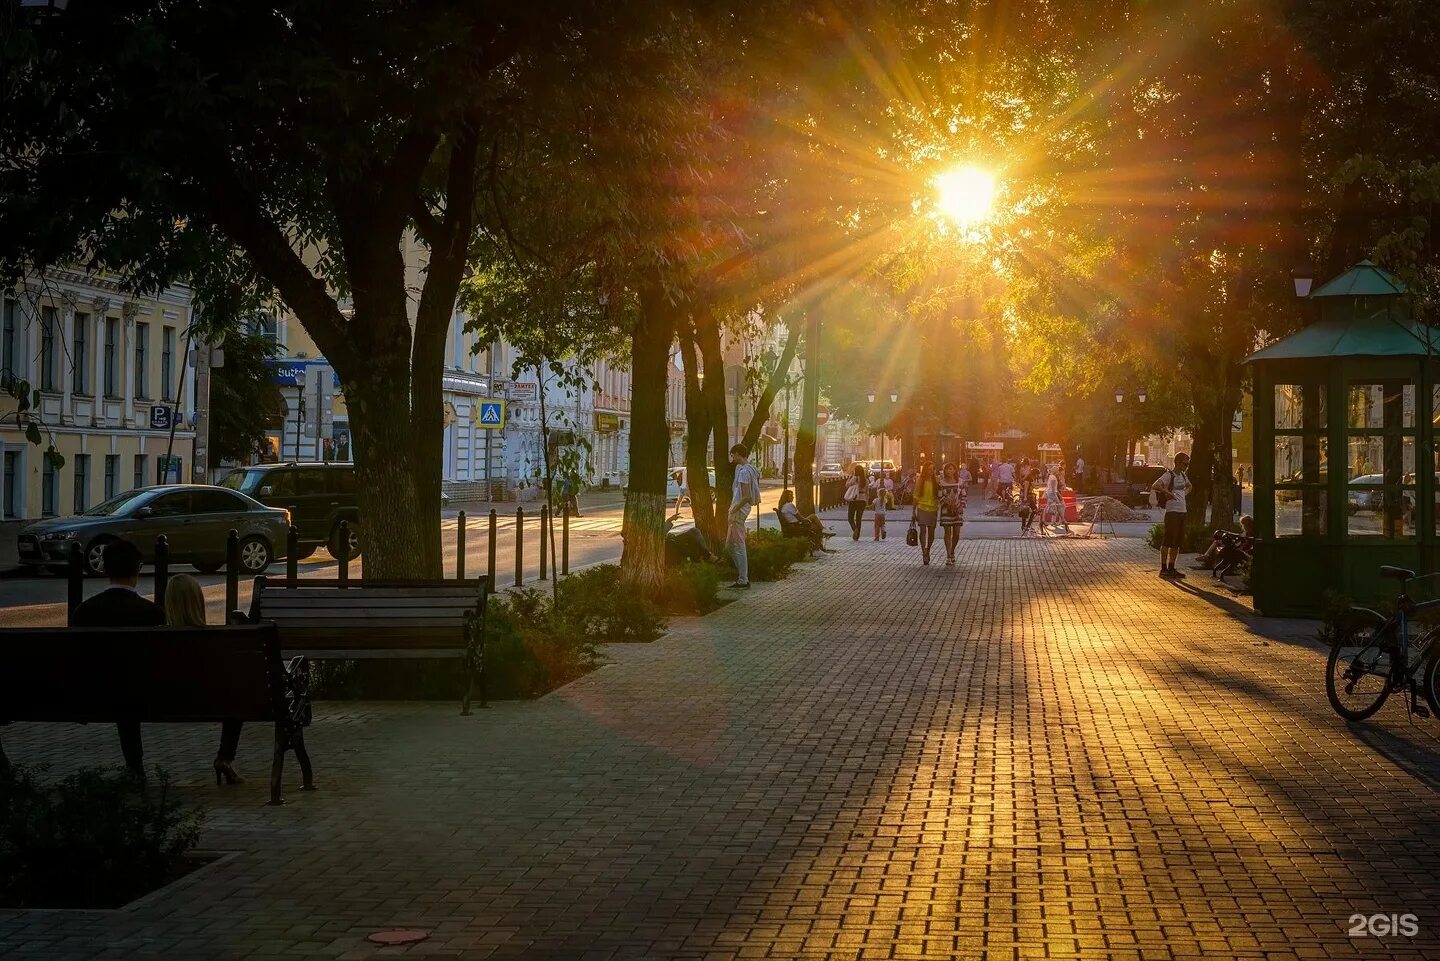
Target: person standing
[1170, 490]
[855, 487]
[744, 494]
[882, 495]
[1079, 473]
[927, 508]
[120, 605]
[1055, 500]
[951, 497]
[185, 607]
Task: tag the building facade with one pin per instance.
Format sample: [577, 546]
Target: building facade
[113, 373]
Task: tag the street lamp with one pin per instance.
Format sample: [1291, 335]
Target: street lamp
[1303, 277]
[1141, 396]
[894, 397]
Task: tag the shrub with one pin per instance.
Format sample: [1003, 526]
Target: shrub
[98, 839]
[772, 554]
[692, 588]
[1196, 539]
[599, 606]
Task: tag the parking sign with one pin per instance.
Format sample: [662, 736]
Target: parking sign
[159, 417]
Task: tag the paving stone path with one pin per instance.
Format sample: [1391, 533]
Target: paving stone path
[1045, 752]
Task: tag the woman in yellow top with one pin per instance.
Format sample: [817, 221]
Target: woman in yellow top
[927, 508]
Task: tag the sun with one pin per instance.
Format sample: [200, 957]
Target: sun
[966, 195]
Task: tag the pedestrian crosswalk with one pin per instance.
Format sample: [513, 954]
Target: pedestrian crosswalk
[506, 522]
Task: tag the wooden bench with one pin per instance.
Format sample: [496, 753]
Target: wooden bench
[155, 675]
[1117, 490]
[358, 620]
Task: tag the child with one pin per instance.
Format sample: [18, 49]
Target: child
[881, 489]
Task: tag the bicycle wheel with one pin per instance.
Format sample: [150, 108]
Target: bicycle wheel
[1430, 680]
[1357, 676]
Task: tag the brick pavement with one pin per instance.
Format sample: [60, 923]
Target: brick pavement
[1045, 752]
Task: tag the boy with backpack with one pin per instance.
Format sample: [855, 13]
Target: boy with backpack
[1169, 492]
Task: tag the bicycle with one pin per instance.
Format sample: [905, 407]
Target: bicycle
[1374, 657]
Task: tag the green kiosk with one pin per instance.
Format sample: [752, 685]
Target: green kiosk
[1345, 448]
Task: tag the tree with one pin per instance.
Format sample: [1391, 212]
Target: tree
[291, 151]
[242, 397]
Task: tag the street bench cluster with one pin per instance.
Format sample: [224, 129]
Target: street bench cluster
[256, 669]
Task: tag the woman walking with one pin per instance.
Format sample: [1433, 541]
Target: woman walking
[882, 493]
[952, 509]
[855, 486]
[927, 506]
[185, 607]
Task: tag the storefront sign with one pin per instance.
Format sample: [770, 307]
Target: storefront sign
[984, 445]
[524, 391]
[287, 373]
[607, 423]
[1051, 448]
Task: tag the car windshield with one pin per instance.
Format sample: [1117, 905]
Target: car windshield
[240, 480]
[116, 505]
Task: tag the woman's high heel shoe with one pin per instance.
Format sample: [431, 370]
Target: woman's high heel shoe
[225, 774]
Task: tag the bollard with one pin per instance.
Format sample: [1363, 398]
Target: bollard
[344, 557]
[565, 540]
[519, 546]
[292, 552]
[74, 577]
[544, 538]
[460, 548]
[232, 571]
[490, 571]
[162, 568]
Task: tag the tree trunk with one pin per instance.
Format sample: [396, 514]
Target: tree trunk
[426, 438]
[697, 444]
[708, 339]
[393, 524]
[643, 560]
[809, 410]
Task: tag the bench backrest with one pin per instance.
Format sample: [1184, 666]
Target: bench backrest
[141, 673]
[315, 616]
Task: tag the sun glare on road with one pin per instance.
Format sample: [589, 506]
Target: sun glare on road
[966, 195]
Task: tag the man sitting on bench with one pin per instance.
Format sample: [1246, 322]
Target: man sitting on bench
[120, 605]
[795, 524]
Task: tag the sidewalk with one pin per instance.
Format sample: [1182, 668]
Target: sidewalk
[1045, 752]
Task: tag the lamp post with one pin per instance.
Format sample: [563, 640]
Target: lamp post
[1141, 396]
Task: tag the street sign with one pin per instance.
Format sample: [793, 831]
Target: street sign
[524, 390]
[822, 416]
[492, 414]
[159, 417]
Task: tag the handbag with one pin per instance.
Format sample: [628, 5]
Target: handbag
[912, 536]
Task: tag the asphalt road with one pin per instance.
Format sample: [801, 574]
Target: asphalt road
[39, 600]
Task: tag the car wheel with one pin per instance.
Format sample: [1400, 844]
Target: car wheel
[355, 546]
[208, 567]
[94, 557]
[254, 555]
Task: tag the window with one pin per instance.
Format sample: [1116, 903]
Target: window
[142, 344]
[112, 473]
[112, 347]
[170, 505]
[167, 362]
[12, 484]
[142, 470]
[215, 502]
[82, 482]
[81, 383]
[1301, 460]
[49, 489]
[1380, 458]
[10, 337]
[47, 349]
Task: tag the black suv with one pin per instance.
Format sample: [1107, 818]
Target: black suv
[318, 497]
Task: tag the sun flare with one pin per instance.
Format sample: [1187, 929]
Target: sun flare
[966, 195]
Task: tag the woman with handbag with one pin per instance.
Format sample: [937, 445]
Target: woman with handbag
[926, 512]
[855, 486]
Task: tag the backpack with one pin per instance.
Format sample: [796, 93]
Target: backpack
[1161, 497]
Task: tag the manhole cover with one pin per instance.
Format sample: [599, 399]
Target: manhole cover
[398, 936]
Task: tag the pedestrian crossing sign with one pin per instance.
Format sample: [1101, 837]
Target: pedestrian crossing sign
[492, 414]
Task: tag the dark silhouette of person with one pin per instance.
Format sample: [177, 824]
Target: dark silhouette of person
[120, 605]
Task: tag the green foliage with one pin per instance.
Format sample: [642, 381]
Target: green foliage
[97, 839]
[242, 397]
[598, 605]
[771, 554]
[692, 588]
[1196, 539]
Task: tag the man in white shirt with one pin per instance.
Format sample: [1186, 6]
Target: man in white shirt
[744, 494]
[1170, 490]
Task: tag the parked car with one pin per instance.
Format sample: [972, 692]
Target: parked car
[876, 466]
[830, 472]
[196, 520]
[318, 497]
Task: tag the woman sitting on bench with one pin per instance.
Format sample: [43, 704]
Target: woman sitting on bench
[795, 524]
[185, 607]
